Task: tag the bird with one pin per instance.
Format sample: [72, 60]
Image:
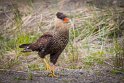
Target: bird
[51, 43]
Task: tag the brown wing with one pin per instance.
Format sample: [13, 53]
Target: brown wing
[42, 43]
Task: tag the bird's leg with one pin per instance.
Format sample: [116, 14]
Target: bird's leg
[47, 65]
[50, 68]
[52, 74]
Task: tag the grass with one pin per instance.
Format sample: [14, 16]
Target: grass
[88, 40]
[35, 67]
[97, 57]
[116, 71]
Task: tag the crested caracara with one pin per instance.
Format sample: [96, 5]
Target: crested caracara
[52, 43]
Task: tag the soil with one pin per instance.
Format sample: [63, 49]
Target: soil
[64, 76]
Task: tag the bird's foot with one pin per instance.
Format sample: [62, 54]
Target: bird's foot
[52, 72]
[52, 75]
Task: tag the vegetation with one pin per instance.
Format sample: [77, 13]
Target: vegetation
[94, 39]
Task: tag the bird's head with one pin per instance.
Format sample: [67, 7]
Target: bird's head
[62, 22]
[62, 17]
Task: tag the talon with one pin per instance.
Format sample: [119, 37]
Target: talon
[52, 75]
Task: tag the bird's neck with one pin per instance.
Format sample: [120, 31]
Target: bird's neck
[62, 33]
[61, 28]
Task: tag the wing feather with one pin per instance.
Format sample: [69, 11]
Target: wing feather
[42, 43]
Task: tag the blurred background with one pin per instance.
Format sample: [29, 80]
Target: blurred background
[96, 38]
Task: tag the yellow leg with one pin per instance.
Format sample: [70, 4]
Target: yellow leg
[47, 65]
[50, 68]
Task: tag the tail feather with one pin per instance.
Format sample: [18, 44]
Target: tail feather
[26, 47]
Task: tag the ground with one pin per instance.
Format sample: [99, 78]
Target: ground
[65, 76]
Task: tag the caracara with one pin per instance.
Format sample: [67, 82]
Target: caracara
[52, 43]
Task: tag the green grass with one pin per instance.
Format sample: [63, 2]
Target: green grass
[117, 71]
[94, 58]
[35, 67]
[6, 45]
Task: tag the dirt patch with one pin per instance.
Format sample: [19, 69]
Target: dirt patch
[65, 76]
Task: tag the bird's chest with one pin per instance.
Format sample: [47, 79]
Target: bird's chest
[59, 42]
